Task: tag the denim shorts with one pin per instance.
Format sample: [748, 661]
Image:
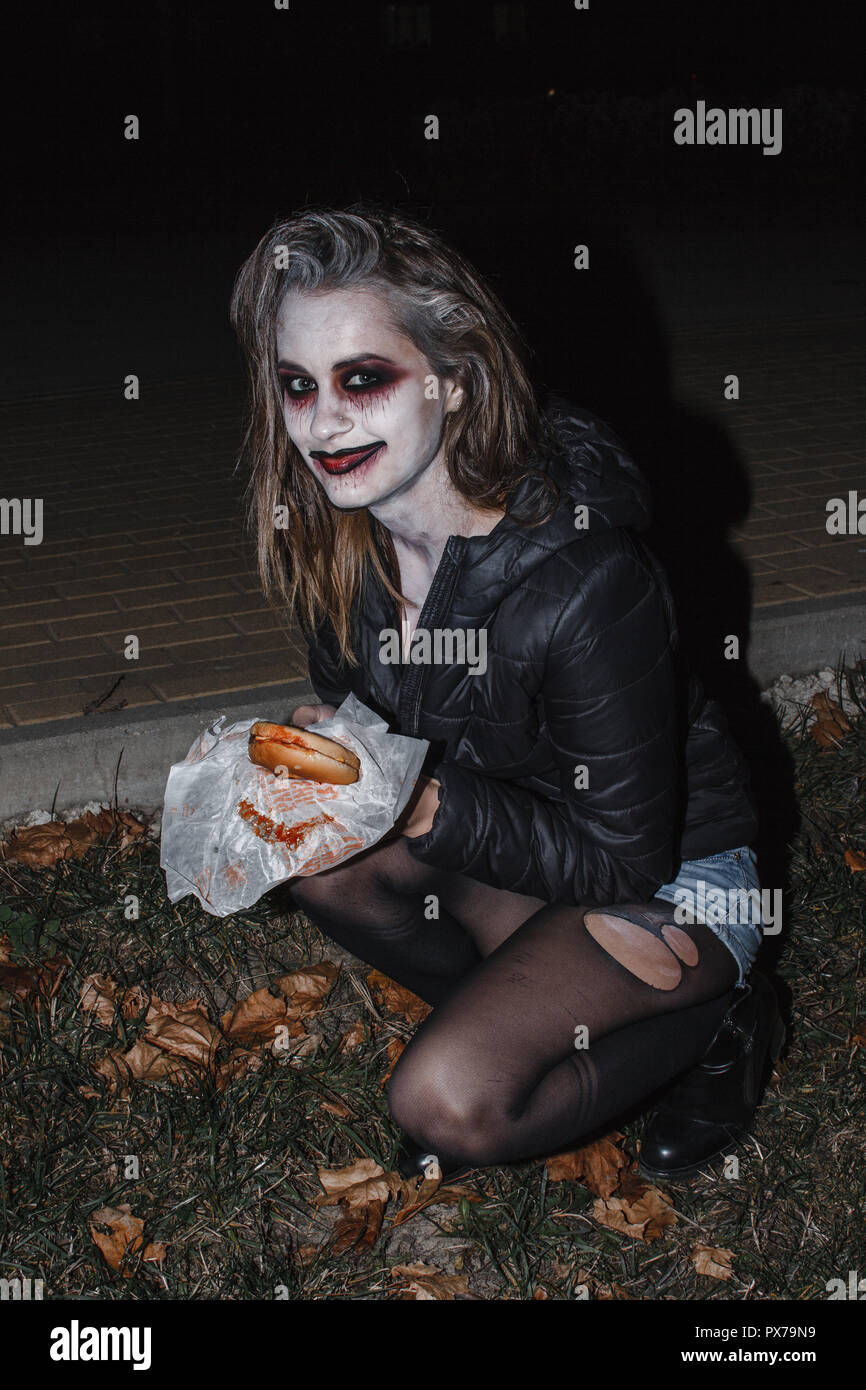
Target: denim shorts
[732, 916]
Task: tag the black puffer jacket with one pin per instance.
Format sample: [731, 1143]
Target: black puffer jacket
[583, 670]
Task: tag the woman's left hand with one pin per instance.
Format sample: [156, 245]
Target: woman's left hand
[420, 817]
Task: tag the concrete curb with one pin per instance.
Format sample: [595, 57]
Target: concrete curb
[798, 638]
[78, 760]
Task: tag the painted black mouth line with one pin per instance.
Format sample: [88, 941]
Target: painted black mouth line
[344, 453]
[356, 461]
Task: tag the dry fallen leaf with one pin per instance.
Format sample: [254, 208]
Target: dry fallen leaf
[357, 1184]
[427, 1283]
[307, 987]
[40, 846]
[856, 860]
[305, 1047]
[267, 1013]
[141, 1063]
[426, 1192]
[130, 829]
[100, 995]
[396, 1048]
[596, 1165]
[333, 1107]
[190, 1035]
[637, 1210]
[122, 1236]
[363, 1190]
[262, 1016]
[831, 724]
[716, 1264]
[351, 1041]
[23, 980]
[82, 835]
[181, 1039]
[397, 999]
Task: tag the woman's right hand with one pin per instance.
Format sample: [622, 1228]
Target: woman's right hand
[305, 715]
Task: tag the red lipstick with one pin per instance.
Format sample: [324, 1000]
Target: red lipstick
[346, 460]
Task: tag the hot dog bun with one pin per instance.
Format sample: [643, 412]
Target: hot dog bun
[302, 754]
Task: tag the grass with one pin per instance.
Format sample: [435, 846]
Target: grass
[226, 1178]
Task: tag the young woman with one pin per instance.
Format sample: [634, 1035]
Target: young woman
[577, 777]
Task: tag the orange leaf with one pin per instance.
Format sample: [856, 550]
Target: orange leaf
[358, 1227]
[357, 1184]
[258, 1017]
[122, 1236]
[397, 999]
[333, 1107]
[597, 1165]
[715, 1264]
[100, 994]
[190, 1035]
[41, 846]
[307, 987]
[426, 1283]
[429, 1192]
[831, 724]
[396, 1048]
[351, 1041]
[141, 1063]
[643, 1216]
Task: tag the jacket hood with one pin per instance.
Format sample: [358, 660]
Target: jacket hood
[598, 470]
[591, 466]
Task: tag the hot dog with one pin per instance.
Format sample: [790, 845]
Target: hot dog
[302, 754]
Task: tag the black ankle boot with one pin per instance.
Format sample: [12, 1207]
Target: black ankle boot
[413, 1162]
[708, 1111]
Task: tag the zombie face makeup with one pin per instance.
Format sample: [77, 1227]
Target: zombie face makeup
[358, 396]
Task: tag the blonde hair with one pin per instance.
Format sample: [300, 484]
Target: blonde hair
[318, 563]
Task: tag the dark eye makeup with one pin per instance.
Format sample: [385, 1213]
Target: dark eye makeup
[360, 386]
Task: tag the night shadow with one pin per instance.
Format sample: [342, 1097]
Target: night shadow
[598, 340]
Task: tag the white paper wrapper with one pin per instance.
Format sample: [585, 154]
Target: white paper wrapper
[223, 816]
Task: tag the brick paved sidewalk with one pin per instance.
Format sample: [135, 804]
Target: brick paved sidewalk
[147, 539]
[800, 429]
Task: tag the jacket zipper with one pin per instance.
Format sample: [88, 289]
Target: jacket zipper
[436, 605]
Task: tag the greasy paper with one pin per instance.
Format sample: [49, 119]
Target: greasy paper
[232, 830]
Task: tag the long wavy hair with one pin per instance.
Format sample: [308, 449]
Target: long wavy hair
[320, 560]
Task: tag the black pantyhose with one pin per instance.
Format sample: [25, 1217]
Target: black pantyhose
[540, 1032]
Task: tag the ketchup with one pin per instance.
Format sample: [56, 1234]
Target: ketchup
[271, 831]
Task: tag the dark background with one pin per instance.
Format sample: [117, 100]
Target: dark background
[552, 123]
[556, 127]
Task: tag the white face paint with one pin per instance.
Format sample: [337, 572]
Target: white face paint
[353, 382]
